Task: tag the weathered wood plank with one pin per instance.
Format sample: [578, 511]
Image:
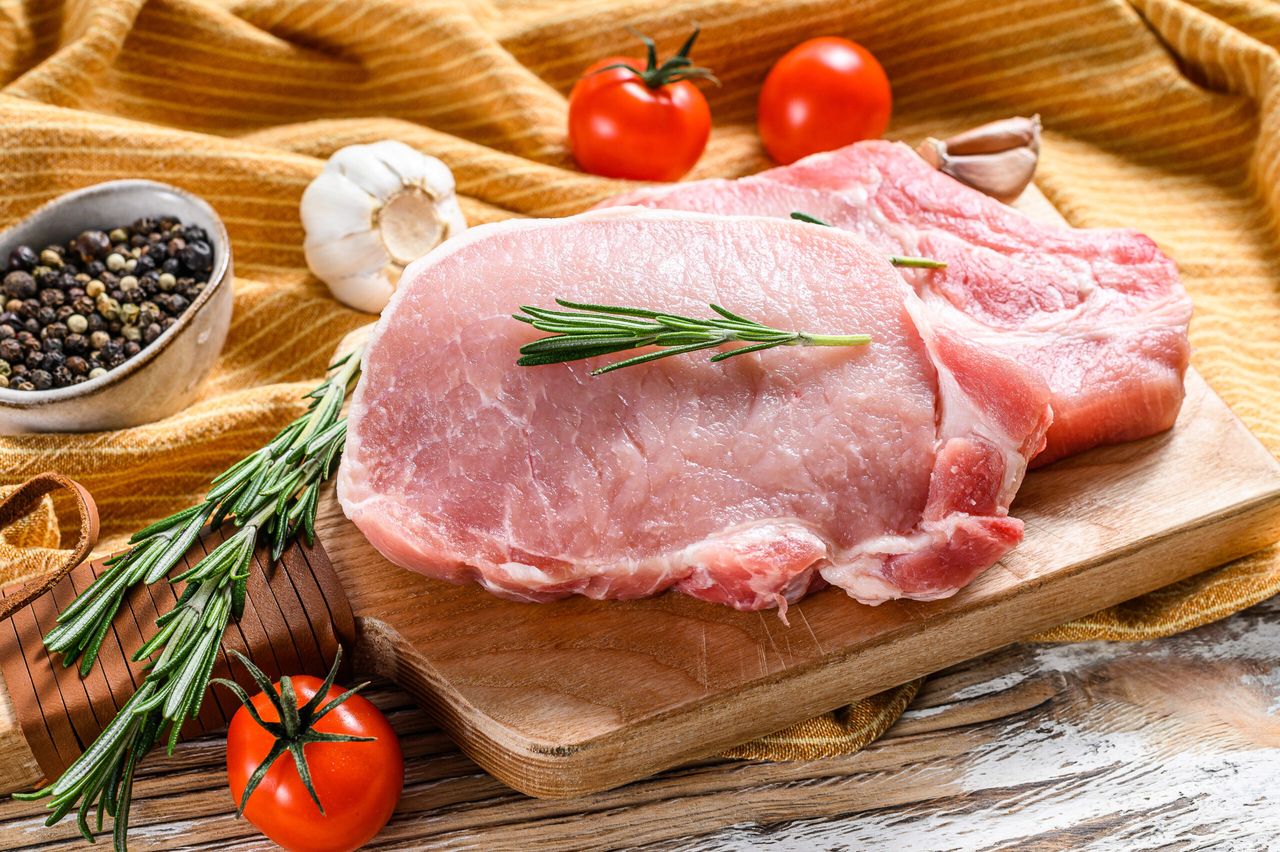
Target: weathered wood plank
[1091, 746]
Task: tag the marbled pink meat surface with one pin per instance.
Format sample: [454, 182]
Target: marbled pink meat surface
[1100, 315]
[886, 469]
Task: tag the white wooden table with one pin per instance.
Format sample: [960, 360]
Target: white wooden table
[1173, 743]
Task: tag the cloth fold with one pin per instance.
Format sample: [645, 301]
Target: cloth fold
[1163, 115]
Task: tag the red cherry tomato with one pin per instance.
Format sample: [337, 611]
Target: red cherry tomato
[639, 121]
[823, 94]
[358, 783]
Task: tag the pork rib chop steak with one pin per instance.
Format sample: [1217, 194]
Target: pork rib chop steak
[1100, 315]
[886, 469]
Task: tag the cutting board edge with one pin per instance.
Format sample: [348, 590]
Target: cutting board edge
[566, 769]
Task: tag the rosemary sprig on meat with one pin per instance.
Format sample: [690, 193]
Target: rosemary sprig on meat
[896, 260]
[587, 330]
[271, 495]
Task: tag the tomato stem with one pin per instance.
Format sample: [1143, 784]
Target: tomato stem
[677, 68]
[296, 727]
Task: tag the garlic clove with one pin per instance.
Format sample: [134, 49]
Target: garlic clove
[413, 167]
[996, 136]
[998, 158]
[367, 291]
[373, 210]
[1002, 175]
[361, 253]
[367, 166]
[333, 207]
[934, 151]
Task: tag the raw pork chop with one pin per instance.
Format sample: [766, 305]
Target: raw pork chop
[886, 469]
[1100, 315]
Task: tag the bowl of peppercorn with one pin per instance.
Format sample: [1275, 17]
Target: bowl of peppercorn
[114, 304]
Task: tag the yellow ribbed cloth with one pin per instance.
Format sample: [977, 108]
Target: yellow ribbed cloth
[1162, 115]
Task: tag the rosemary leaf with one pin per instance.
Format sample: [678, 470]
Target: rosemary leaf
[896, 260]
[588, 331]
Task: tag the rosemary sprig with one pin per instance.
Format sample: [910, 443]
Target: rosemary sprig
[896, 260]
[589, 330]
[272, 494]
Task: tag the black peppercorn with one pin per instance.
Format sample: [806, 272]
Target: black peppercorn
[92, 245]
[7, 331]
[19, 285]
[52, 298]
[30, 308]
[131, 349]
[31, 325]
[41, 379]
[62, 376]
[33, 360]
[96, 322]
[18, 370]
[77, 365]
[10, 350]
[113, 354]
[24, 258]
[46, 315]
[54, 331]
[52, 361]
[75, 344]
[197, 257]
[146, 263]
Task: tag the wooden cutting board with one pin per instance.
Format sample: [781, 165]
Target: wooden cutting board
[567, 698]
[576, 696]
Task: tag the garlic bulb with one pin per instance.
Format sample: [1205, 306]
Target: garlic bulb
[998, 158]
[372, 211]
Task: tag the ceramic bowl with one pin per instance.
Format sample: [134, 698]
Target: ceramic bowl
[164, 376]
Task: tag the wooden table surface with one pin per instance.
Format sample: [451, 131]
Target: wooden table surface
[1169, 743]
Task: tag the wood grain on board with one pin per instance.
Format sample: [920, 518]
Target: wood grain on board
[1169, 744]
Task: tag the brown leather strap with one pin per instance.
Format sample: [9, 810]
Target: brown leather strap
[295, 618]
[20, 503]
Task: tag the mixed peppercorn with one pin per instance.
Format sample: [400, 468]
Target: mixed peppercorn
[72, 312]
